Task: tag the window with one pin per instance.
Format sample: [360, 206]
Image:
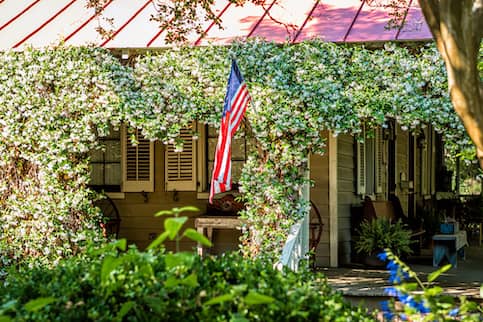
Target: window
[370, 164]
[191, 169]
[105, 165]
[180, 166]
[122, 167]
[238, 153]
[138, 163]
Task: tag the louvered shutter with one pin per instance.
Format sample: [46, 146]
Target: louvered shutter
[432, 167]
[379, 166]
[180, 167]
[138, 163]
[426, 151]
[361, 165]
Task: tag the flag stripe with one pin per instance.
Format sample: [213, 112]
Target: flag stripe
[238, 109]
[237, 120]
[236, 101]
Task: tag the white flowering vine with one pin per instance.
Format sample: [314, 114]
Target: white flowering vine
[55, 103]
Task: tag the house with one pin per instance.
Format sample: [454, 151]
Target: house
[146, 178]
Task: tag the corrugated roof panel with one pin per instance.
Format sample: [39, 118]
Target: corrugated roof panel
[284, 20]
[330, 20]
[120, 11]
[137, 32]
[237, 22]
[11, 10]
[415, 27]
[371, 25]
[61, 26]
[43, 22]
[218, 7]
[31, 20]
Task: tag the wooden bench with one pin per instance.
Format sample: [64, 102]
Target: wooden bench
[392, 210]
[449, 246]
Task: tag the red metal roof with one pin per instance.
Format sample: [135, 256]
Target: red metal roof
[46, 22]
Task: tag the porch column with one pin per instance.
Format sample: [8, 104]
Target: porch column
[333, 202]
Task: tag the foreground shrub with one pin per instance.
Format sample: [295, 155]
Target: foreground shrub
[112, 285]
[415, 300]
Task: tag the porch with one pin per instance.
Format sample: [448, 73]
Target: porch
[361, 284]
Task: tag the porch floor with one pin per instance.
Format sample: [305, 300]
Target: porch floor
[359, 281]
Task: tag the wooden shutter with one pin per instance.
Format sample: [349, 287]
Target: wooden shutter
[361, 165]
[138, 163]
[432, 167]
[425, 176]
[180, 167]
[379, 163]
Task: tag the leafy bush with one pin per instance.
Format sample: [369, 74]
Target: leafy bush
[380, 233]
[112, 285]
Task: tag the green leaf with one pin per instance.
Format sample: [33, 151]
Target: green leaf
[196, 236]
[237, 317]
[409, 287]
[108, 265]
[253, 298]
[4, 318]
[219, 299]
[171, 281]
[191, 280]
[158, 241]
[481, 291]
[433, 291]
[38, 303]
[7, 306]
[183, 209]
[173, 225]
[125, 308]
[163, 213]
[121, 244]
[434, 275]
[179, 259]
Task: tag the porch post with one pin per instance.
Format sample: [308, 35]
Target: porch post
[333, 202]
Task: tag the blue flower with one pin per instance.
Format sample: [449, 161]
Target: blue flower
[386, 310]
[392, 291]
[394, 278]
[392, 266]
[423, 308]
[454, 312]
[382, 256]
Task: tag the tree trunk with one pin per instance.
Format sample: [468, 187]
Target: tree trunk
[457, 27]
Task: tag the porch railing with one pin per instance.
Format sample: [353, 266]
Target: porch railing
[296, 247]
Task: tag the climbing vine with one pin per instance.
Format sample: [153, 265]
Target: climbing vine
[54, 104]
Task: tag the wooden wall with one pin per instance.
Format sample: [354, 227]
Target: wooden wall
[346, 182]
[139, 226]
[319, 194]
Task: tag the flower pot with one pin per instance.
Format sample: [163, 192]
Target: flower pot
[374, 261]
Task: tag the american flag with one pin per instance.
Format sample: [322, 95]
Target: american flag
[236, 101]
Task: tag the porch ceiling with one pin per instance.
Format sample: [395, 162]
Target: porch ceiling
[47, 22]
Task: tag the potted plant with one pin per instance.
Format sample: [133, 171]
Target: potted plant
[379, 234]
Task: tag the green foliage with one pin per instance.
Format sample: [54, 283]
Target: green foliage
[380, 233]
[116, 285]
[55, 103]
[53, 106]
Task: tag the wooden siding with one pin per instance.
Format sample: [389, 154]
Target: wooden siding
[346, 194]
[319, 194]
[138, 224]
